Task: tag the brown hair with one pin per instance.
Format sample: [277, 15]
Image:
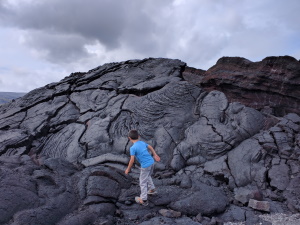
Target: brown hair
[133, 134]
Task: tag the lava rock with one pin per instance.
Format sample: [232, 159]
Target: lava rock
[259, 205]
[292, 194]
[246, 163]
[279, 176]
[272, 82]
[169, 213]
[207, 201]
[64, 147]
[244, 194]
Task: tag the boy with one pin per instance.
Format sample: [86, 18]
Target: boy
[139, 149]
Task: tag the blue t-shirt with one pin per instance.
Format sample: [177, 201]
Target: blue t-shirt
[140, 151]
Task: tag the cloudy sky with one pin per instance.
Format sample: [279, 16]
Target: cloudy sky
[43, 41]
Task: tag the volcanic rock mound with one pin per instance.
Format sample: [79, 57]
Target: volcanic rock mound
[64, 147]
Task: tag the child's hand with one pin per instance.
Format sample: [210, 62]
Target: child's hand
[157, 158]
[127, 171]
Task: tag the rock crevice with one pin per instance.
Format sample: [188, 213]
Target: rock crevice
[227, 154]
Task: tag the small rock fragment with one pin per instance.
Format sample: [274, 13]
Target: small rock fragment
[259, 205]
[169, 213]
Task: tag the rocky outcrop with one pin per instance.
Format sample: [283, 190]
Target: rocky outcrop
[64, 149]
[271, 85]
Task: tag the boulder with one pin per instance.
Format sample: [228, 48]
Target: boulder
[215, 134]
[246, 163]
[234, 214]
[208, 201]
[279, 176]
[166, 195]
[102, 186]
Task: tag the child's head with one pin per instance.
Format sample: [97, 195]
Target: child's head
[133, 135]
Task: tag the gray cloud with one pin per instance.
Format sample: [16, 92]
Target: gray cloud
[111, 23]
[102, 20]
[58, 47]
[153, 28]
[79, 35]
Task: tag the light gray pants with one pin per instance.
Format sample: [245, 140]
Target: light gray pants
[146, 182]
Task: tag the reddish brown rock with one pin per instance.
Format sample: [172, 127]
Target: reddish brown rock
[259, 205]
[272, 84]
[193, 75]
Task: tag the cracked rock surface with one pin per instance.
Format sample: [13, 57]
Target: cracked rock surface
[270, 85]
[64, 148]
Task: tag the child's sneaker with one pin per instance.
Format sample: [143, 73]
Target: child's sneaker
[141, 201]
[152, 192]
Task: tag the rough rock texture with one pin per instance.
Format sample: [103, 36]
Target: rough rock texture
[64, 147]
[271, 84]
[207, 201]
[259, 205]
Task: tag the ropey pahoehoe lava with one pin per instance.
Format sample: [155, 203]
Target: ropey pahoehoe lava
[228, 137]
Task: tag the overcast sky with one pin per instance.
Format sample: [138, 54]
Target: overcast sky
[43, 41]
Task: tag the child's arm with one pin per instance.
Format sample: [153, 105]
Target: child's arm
[131, 161]
[156, 157]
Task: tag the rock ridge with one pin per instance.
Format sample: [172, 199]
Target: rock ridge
[271, 84]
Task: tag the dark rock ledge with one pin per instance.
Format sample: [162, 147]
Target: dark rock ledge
[225, 156]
